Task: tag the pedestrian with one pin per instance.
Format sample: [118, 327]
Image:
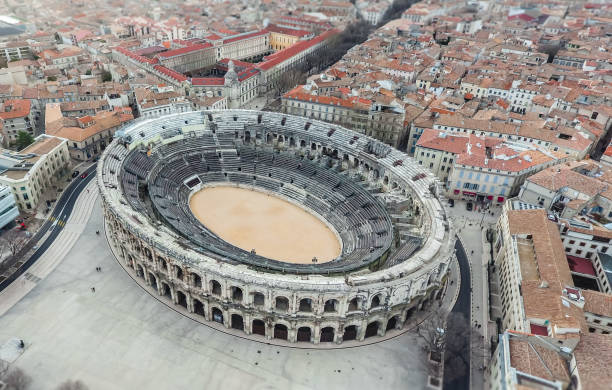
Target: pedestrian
[100, 268]
[97, 232]
[93, 289]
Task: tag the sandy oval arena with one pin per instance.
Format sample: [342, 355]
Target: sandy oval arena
[274, 227]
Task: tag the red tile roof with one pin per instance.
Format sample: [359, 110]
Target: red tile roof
[283, 55]
[207, 81]
[184, 50]
[17, 108]
[170, 73]
[245, 36]
[135, 57]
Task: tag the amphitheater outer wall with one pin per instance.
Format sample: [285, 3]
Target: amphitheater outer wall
[283, 305]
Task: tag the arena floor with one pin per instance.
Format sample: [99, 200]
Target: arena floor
[275, 228]
[120, 337]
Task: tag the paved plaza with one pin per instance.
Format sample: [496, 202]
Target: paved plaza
[120, 337]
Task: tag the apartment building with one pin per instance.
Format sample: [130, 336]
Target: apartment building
[16, 115]
[8, 207]
[30, 172]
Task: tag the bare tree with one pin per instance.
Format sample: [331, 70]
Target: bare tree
[433, 332]
[15, 379]
[14, 240]
[72, 385]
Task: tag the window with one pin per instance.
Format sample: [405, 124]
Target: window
[572, 242]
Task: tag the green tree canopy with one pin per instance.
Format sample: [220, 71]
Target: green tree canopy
[106, 76]
[23, 139]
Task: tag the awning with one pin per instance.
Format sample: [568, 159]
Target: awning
[490, 197]
[469, 193]
[500, 199]
[456, 192]
[539, 329]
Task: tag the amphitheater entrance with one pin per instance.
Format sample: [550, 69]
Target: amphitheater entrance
[237, 322]
[350, 333]
[254, 220]
[304, 334]
[166, 291]
[198, 307]
[181, 299]
[392, 323]
[259, 327]
[217, 315]
[327, 335]
[372, 329]
[280, 332]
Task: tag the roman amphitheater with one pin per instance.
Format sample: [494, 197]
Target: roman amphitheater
[277, 226]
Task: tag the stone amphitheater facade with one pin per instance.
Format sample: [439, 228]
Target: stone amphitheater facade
[266, 299]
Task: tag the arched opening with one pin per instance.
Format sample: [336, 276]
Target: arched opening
[258, 299]
[237, 322]
[313, 146]
[327, 335]
[392, 323]
[375, 302]
[350, 333]
[166, 291]
[215, 287]
[181, 299]
[353, 304]
[331, 306]
[139, 271]
[163, 264]
[247, 136]
[306, 305]
[217, 315]
[410, 313]
[198, 307]
[302, 144]
[386, 180]
[304, 333]
[282, 304]
[197, 280]
[371, 329]
[280, 332]
[152, 280]
[439, 294]
[291, 141]
[179, 272]
[237, 294]
[269, 138]
[259, 327]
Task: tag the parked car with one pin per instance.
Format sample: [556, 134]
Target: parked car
[469, 206]
[84, 175]
[451, 202]
[75, 174]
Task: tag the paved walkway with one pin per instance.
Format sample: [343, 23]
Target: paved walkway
[118, 337]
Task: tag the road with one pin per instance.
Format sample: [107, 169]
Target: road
[55, 223]
[463, 306]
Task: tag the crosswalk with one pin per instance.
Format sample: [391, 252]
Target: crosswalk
[60, 222]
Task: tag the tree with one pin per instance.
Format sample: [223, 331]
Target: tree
[13, 241]
[72, 385]
[51, 78]
[15, 378]
[106, 76]
[88, 73]
[24, 139]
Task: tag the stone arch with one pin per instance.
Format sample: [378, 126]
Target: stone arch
[165, 290]
[372, 329]
[376, 301]
[386, 180]
[258, 299]
[281, 303]
[198, 307]
[410, 313]
[139, 271]
[217, 315]
[327, 334]
[196, 280]
[305, 305]
[236, 294]
[269, 138]
[178, 271]
[353, 304]
[152, 280]
[281, 331]
[392, 323]
[291, 141]
[237, 322]
[163, 263]
[258, 327]
[304, 333]
[302, 144]
[350, 333]
[331, 306]
[181, 298]
[215, 288]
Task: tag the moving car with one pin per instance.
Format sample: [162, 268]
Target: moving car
[469, 206]
[84, 175]
[451, 202]
[75, 174]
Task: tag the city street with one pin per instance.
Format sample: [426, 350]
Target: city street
[471, 227]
